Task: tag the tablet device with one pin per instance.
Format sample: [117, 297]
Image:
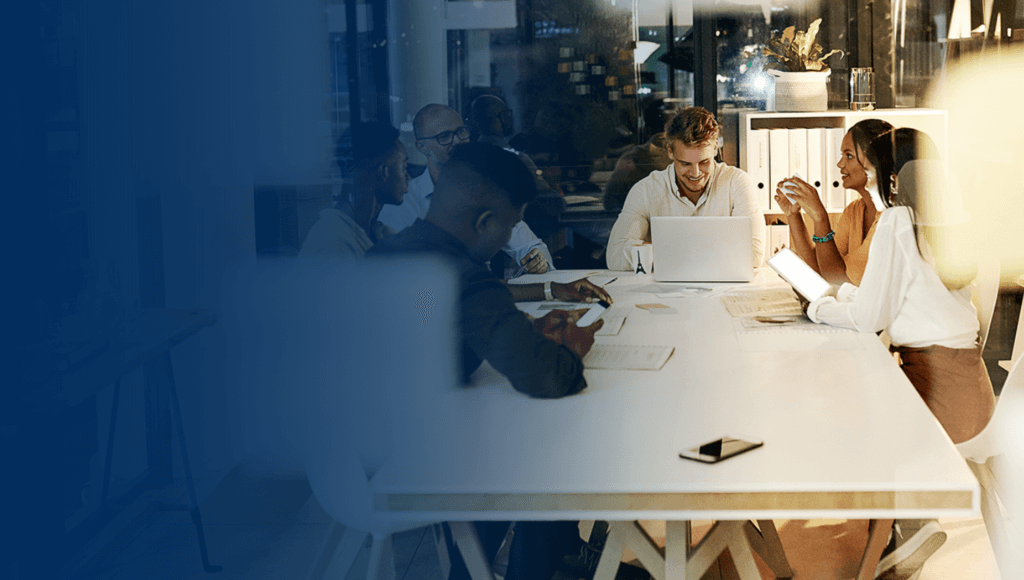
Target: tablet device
[800, 276]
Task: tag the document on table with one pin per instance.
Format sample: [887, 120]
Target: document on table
[560, 276]
[541, 308]
[657, 308]
[775, 322]
[782, 323]
[638, 358]
[675, 290]
[771, 301]
[613, 319]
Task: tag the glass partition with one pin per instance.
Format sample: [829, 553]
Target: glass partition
[585, 83]
[567, 72]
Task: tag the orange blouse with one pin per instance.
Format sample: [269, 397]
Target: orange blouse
[851, 241]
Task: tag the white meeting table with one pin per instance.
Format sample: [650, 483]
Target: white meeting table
[845, 436]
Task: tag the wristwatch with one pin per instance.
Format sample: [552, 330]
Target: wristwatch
[547, 291]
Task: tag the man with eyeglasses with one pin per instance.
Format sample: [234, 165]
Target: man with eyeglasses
[438, 129]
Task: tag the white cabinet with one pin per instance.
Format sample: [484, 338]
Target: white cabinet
[822, 131]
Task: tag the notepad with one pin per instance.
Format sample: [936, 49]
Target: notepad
[657, 308]
[636, 358]
[782, 323]
[775, 301]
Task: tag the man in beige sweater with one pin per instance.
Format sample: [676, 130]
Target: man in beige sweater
[693, 185]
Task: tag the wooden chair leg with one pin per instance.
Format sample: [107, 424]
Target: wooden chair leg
[706, 553]
[742, 555]
[678, 536]
[374, 562]
[443, 558]
[637, 539]
[766, 544]
[468, 542]
[993, 517]
[878, 537]
[608, 565]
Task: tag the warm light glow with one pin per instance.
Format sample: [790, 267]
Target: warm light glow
[986, 146]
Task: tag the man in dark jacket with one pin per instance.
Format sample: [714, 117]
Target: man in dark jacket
[479, 197]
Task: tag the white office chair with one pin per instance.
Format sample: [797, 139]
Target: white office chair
[986, 454]
[984, 295]
[357, 353]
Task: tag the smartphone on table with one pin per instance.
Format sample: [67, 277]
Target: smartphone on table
[595, 312]
[720, 449]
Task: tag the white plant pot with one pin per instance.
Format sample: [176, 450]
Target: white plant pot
[801, 91]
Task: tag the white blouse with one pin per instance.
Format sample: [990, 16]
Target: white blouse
[901, 293]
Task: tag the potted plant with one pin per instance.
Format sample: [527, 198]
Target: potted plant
[801, 75]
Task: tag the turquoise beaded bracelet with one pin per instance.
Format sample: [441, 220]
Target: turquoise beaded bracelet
[826, 238]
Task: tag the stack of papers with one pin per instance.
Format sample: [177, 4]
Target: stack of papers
[637, 358]
[613, 319]
[767, 302]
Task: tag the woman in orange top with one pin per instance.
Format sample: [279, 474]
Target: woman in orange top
[839, 256]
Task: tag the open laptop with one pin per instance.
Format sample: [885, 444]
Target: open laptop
[702, 249]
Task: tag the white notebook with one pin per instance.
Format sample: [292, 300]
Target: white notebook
[637, 358]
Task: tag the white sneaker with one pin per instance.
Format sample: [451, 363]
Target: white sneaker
[906, 561]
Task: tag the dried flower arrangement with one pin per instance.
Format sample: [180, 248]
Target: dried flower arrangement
[797, 51]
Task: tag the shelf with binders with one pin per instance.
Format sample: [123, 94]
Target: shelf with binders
[774, 146]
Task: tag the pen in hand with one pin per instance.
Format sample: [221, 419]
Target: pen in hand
[519, 272]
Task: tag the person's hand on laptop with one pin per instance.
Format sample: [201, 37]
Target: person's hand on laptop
[582, 290]
[534, 262]
[560, 326]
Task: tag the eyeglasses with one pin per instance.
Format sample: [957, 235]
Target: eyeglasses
[446, 137]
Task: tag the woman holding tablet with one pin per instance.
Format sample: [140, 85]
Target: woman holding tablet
[838, 256]
[917, 287]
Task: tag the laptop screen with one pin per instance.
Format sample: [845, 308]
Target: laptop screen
[702, 249]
